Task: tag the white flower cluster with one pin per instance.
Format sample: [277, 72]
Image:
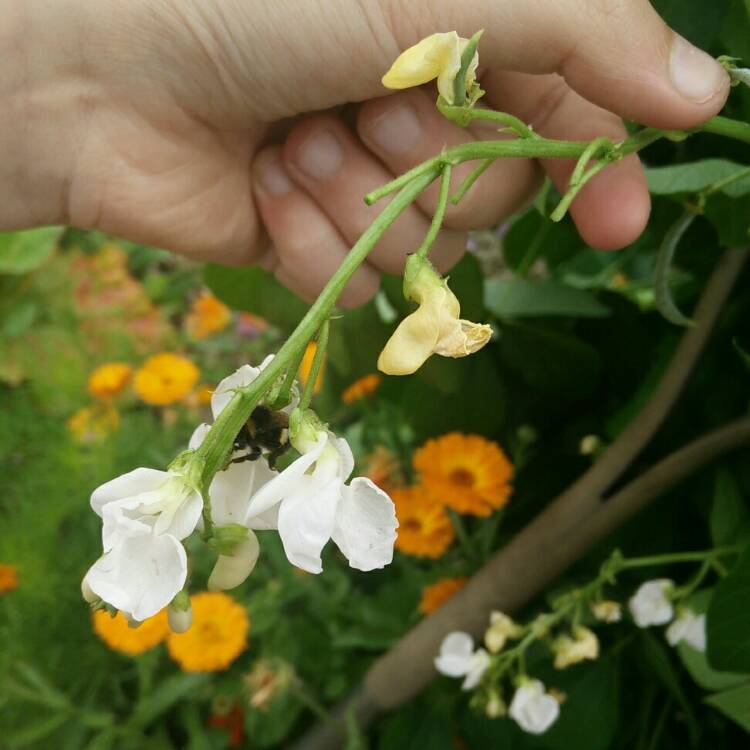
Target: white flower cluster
[147, 514]
[651, 605]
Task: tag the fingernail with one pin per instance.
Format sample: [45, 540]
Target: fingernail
[397, 130]
[320, 156]
[695, 74]
[272, 177]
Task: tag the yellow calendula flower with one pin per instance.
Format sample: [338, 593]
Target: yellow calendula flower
[424, 527]
[93, 423]
[207, 316]
[361, 388]
[434, 596]
[433, 328]
[109, 380]
[165, 379]
[8, 578]
[117, 633]
[436, 56]
[217, 636]
[465, 472]
[306, 365]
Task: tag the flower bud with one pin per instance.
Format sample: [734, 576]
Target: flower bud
[495, 707]
[607, 611]
[500, 630]
[179, 619]
[690, 628]
[650, 605]
[231, 571]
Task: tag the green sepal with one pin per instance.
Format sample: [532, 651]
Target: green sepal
[181, 602]
[459, 84]
[225, 539]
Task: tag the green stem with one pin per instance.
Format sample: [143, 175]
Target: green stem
[517, 126]
[437, 219]
[476, 173]
[736, 129]
[214, 449]
[285, 392]
[679, 557]
[317, 363]
[575, 187]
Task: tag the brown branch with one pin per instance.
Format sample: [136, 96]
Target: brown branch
[558, 536]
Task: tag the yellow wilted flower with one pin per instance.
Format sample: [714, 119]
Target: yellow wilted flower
[436, 56]
[433, 328]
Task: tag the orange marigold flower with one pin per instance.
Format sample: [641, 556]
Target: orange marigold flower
[434, 596]
[424, 527]
[217, 636]
[466, 472]
[93, 423]
[110, 379]
[208, 315]
[383, 468]
[165, 379]
[8, 578]
[361, 388]
[119, 636]
[306, 365]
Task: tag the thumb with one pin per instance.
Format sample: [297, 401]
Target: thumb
[618, 54]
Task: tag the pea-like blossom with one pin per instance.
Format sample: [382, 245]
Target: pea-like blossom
[689, 627]
[436, 56]
[146, 514]
[607, 611]
[650, 605]
[457, 658]
[532, 708]
[500, 630]
[312, 504]
[582, 645]
[433, 328]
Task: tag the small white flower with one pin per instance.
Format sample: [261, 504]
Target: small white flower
[533, 709]
[607, 611]
[146, 513]
[500, 630]
[458, 658]
[583, 645]
[688, 627]
[650, 604]
[313, 505]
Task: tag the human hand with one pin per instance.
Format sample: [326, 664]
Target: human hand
[214, 128]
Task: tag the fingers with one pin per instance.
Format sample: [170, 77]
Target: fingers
[405, 129]
[324, 159]
[612, 209]
[618, 54]
[308, 245]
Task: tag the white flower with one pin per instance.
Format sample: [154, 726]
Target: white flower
[313, 504]
[533, 709]
[607, 611]
[500, 630]
[583, 645]
[458, 658]
[146, 514]
[650, 605]
[688, 627]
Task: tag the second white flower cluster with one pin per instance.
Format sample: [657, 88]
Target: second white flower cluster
[147, 514]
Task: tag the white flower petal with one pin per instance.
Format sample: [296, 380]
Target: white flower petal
[366, 524]
[690, 628]
[231, 571]
[232, 489]
[480, 660]
[650, 604]
[140, 576]
[120, 520]
[225, 389]
[285, 483]
[198, 436]
[533, 709]
[306, 521]
[456, 652]
[346, 466]
[127, 485]
[181, 518]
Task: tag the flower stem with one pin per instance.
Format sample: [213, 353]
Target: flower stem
[437, 219]
[317, 363]
[729, 128]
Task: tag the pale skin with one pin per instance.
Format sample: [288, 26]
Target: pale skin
[225, 130]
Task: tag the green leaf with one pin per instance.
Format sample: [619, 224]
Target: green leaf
[170, 691]
[21, 252]
[698, 21]
[517, 298]
[257, 291]
[730, 518]
[664, 303]
[730, 218]
[697, 176]
[734, 704]
[37, 731]
[728, 621]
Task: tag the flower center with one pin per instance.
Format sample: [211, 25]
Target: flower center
[462, 477]
[210, 633]
[412, 525]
